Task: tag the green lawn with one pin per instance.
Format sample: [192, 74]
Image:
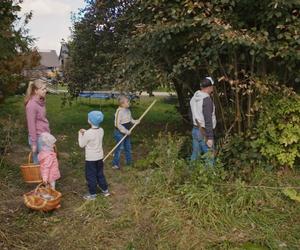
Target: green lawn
[66, 120]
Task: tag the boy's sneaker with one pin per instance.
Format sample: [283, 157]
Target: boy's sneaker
[90, 197]
[106, 193]
[115, 167]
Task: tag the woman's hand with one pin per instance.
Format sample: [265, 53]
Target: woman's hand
[34, 148]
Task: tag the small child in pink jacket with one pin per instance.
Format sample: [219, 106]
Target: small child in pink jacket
[48, 159]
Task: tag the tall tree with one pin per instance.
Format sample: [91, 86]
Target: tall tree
[94, 45]
[15, 52]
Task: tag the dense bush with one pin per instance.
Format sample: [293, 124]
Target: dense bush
[240, 157]
[274, 141]
[278, 130]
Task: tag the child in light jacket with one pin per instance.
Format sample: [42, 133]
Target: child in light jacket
[91, 140]
[48, 159]
[123, 123]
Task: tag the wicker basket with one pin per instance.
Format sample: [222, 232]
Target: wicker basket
[31, 171]
[42, 198]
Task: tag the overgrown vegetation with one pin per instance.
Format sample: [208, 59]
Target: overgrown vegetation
[278, 133]
[273, 142]
[183, 205]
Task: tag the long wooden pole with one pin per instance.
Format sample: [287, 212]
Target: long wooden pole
[134, 125]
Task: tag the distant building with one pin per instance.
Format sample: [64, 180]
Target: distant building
[49, 63]
[49, 60]
[63, 54]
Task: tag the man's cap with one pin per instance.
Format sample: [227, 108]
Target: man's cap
[206, 82]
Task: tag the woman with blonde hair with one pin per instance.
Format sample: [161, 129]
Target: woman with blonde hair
[37, 122]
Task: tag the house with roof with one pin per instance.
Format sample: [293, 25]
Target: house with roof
[49, 63]
[49, 60]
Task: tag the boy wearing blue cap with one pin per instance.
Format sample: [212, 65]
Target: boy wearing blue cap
[91, 140]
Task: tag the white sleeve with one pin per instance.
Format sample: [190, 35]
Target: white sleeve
[82, 139]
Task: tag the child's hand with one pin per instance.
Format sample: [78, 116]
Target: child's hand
[137, 121]
[127, 132]
[82, 131]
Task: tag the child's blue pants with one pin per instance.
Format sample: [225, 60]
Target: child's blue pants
[126, 145]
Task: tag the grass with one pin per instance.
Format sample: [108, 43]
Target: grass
[161, 203]
[202, 210]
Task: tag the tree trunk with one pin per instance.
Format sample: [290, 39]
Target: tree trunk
[178, 84]
[183, 107]
[237, 98]
[220, 107]
[249, 101]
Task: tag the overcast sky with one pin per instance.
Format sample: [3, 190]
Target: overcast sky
[51, 20]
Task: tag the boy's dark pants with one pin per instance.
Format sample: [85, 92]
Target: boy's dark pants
[94, 175]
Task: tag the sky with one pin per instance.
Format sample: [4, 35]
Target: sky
[51, 21]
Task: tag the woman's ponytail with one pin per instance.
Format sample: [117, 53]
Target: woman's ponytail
[29, 92]
[32, 86]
